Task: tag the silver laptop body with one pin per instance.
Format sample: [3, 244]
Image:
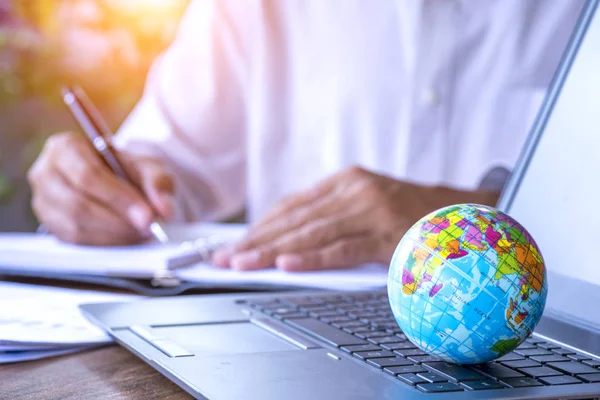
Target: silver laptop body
[311, 345]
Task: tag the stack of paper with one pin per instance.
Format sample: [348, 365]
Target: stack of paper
[38, 321]
[44, 254]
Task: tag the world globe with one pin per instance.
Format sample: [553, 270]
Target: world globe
[467, 284]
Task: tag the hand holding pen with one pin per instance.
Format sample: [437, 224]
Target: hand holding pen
[86, 192]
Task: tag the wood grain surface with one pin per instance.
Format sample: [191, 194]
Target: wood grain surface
[108, 373]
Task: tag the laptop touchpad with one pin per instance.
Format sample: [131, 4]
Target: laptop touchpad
[225, 338]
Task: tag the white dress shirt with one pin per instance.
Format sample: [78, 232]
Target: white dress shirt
[255, 100]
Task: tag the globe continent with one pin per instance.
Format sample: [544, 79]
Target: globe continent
[467, 284]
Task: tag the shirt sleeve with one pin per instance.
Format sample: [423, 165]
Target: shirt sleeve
[192, 114]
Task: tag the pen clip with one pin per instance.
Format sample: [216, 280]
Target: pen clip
[94, 127]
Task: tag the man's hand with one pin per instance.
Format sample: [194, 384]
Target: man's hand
[353, 217]
[80, 200]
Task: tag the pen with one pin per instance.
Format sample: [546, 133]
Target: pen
[97, 131]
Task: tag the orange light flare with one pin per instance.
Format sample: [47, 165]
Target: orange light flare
[110, 39]
[156, 16]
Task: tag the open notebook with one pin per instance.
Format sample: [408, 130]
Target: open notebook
[42, 254]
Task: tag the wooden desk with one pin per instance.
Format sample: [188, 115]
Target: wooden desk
[110, 372]
[106, 373]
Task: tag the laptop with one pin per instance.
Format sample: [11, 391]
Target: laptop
[327, 345]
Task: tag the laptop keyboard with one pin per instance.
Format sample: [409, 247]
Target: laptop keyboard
[363, 325]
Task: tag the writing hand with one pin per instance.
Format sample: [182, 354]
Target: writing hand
[79, 200]
[353, 217]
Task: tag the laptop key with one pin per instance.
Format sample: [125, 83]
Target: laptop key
[534, 340]
[533, 352]
[431, 377]
[537, 372]
[549, 358]
[591, 363]
[404, 369]
[361, 297]
[303, 301]
[260, 303]
[279, 309]
[360, 347]
[526, 345]
[397, 331]
[354, 314]
[336, 318]
[572, 368]
[563, 352]
[315, 313]
[398, 346]
[388, 326]
[366, 315]
[372, 334]
[548, 346]
[330, 298]
[454, 372]
[579, 357]
[361, 329]
[384, 339]
[364, 355]
[521, 382]
[423, 359]
[348, 324]
[316, 307]
[510, 357]
[590, 377]
[560, 380]
[389, 362]
[497, 371]
[382, 322]
[324, 332]
[439, 387]
[411, 379]
[522, 364]
[482, 385]
[324, 313]
[290, 316]
[410, 352]
[348, 308]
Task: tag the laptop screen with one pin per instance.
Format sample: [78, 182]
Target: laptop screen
[558, 195]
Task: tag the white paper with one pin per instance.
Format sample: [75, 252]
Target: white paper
[18, 356]
[368, 276]
[37, 317]
[44, 253]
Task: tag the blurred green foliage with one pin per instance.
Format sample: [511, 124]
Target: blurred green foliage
[105, 46]
[6, 189]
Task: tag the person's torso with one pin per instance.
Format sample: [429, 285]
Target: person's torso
[433, 91]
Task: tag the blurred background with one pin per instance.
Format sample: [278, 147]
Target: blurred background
[105, 46]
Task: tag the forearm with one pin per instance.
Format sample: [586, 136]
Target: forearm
[192, 116]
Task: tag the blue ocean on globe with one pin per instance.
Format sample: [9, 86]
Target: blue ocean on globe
[467, 284]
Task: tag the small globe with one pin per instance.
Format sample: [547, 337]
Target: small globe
[467, 284]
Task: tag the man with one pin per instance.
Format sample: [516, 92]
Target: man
[397, 108]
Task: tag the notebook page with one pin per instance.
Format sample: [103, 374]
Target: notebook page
[368, 276]
[45, 253]
[39, 317]
[25, 251]
[34, 252]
